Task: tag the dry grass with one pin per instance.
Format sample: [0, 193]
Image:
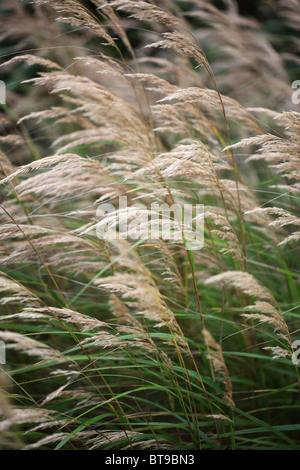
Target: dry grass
[139, 343]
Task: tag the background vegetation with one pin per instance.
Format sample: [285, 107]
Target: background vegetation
[138, 343]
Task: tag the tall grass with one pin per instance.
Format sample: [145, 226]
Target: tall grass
[139, 343]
